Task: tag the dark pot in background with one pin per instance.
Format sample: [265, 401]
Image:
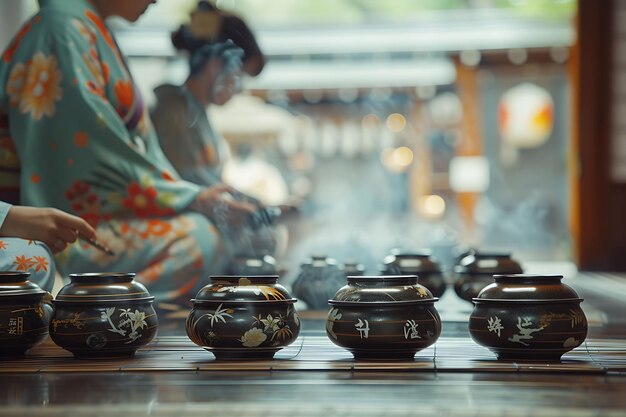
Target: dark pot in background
[528, 317]
[252, 265]
[383, 317]
[475, 270]
[318, 280]
[352, 268]
[25, 312]
[100, 315]
[422, 264]
[237, 317]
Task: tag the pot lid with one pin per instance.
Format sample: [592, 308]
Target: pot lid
[382, 289]
[251, 288]
[414, 262]
[17, 283]
[353, 268]
[488, 263]
[102, 287]
[319, 261]
[252, 265]
[527, 287]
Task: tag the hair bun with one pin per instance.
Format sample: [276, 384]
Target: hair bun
[184, 40]
[180, 40]
[205, 5]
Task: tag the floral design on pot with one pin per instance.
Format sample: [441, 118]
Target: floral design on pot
[25, 312]
[422, 264]
[237, 317]
[129, 323]
[100, 315]
[528, 317]
[383, 317]
[318, 280]
[475, 270]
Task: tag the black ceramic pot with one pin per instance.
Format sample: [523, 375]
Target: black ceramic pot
[318, 280]
[422, 264]
[25, 312]
[237, 317]
[475, 270]
[383, 317]
[528, 317]
[100, 315]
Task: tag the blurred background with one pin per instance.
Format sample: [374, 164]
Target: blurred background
[438, 124]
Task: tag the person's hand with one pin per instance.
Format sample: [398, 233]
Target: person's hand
[219, 204]
[53, 227]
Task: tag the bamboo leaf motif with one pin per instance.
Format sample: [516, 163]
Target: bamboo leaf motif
[576, 317]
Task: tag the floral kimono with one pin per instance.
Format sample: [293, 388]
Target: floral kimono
[85, 145]
[26, 256]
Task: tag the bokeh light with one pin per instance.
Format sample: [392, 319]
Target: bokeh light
[396, 122]
[397, 159]
[431, 206]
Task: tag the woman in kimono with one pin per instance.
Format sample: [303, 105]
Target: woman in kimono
[187, 137]
[185, 132]
[221, 49]
[86, 146]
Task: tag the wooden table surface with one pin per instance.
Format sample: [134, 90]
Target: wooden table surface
[315, 378]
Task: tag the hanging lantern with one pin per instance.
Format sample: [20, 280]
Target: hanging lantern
[526, 116]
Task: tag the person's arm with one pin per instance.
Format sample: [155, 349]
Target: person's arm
[53, 227]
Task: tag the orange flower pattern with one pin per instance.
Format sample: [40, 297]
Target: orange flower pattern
[22, 256]
[40, 263]
[42, 87]
[23, 263]
[157, 228]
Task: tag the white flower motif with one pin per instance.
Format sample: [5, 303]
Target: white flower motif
[253, 337]
[271, 323]
[138, 319]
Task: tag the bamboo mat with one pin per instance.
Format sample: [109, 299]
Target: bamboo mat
[317, 353]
